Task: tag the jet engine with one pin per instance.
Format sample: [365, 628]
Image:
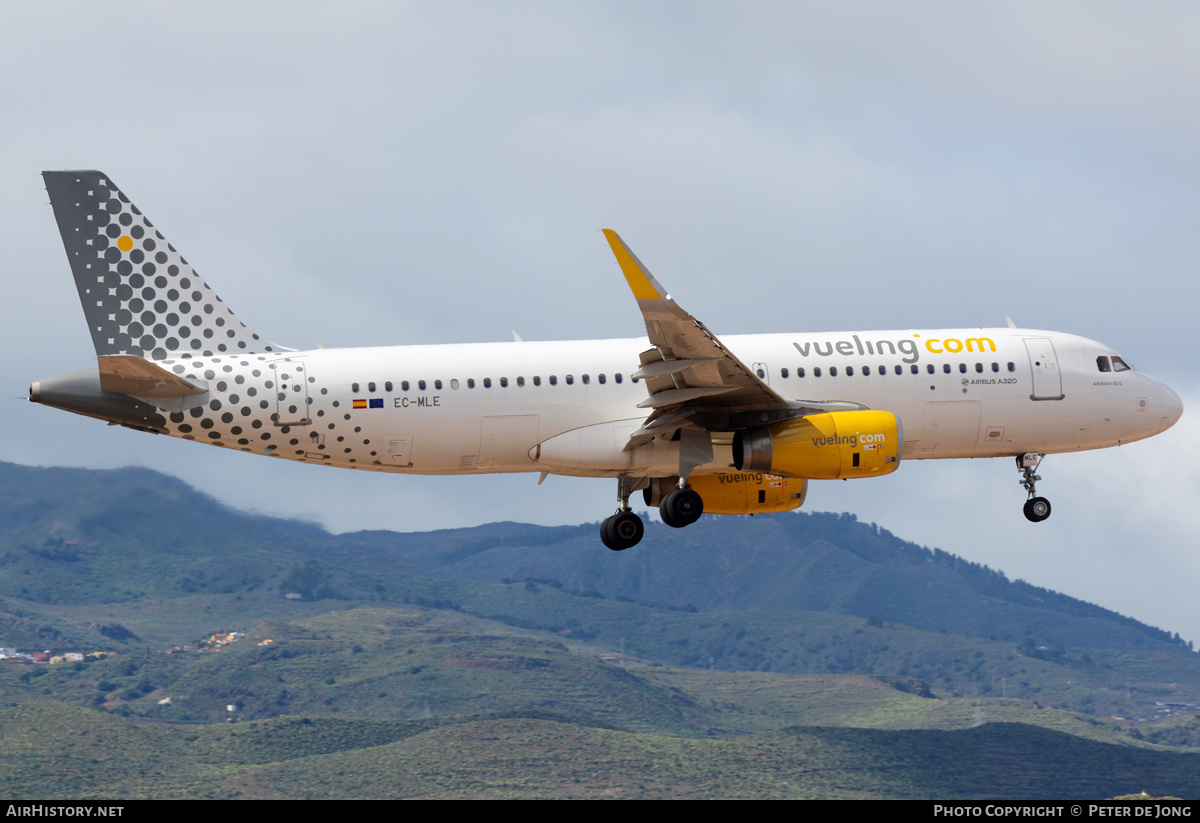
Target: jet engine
[825, 446]
[736, 492]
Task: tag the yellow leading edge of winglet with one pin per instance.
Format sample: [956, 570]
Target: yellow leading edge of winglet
[644, 286]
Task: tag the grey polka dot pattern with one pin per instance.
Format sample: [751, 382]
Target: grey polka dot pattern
[253, 403]
[140, 296]
[269, 405]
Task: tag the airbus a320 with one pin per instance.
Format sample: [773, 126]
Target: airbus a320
[698, 424]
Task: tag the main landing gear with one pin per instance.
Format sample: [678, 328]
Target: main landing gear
[680, 507]
[624, 529]
[1037, 508]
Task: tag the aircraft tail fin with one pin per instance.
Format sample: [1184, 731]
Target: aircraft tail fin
[140, 296]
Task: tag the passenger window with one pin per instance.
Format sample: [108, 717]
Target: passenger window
[761, 374]
[962, 368]
[570, 379]
[537, 380]
[783, 372]
[371, 387]
[833, 371]
[816, 371]
[354, 388]
[617, 377]
[849, 371]
[437, 384]
[520, 382]
[487, 382]
[1102, 363]
[404, 386]
[454, 384]
[899, 370]
[1012, 366]
[586, 380]
[995, 367]
[387, 386]
[470, 382]
[979, 368]
[600, 379]
[421, 385]
[946, 368]
[800, 372]
[504, 382]
[883, 369]
[553, 380]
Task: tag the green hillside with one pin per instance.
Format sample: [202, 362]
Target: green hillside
[55, 750]
[786, 656]
[793, 561]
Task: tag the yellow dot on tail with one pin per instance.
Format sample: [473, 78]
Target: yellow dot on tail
[125, 243]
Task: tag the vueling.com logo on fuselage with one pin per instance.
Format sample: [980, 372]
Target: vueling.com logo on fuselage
[870, 440]
[909, 348]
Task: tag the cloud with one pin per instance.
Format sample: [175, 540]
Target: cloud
[373, 174]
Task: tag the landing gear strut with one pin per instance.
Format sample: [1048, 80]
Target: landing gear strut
[1037, 508]
[683, 506]
[624, 529]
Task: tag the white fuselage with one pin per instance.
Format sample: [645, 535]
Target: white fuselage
[569, 407]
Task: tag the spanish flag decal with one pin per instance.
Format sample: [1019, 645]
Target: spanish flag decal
[360, 404]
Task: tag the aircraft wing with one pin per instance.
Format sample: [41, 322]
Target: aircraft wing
[693, 380]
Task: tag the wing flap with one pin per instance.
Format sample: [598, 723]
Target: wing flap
[661, 367]
[672, 397]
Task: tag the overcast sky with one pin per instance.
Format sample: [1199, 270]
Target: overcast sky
[393, 173]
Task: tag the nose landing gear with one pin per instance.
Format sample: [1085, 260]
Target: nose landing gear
[1037, 508]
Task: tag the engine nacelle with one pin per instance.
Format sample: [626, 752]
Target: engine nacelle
[736, 493]
[825, 446]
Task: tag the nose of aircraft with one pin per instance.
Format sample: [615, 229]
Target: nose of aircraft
[1172, 408]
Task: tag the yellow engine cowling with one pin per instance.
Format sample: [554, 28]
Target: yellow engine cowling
[737, 493]
[823, 446]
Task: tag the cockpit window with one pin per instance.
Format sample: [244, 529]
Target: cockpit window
[1102, 363]
[1120, 365]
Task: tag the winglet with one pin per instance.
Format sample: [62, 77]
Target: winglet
[644, 286]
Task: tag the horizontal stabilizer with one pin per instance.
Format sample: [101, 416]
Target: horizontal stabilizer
[136, 377]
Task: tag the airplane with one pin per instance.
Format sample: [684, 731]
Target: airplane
[676, 415]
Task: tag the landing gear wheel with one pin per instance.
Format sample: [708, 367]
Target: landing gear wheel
[606, 534]
[622, 531]
[627, 530]
[1037, 509]
[681, 507]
